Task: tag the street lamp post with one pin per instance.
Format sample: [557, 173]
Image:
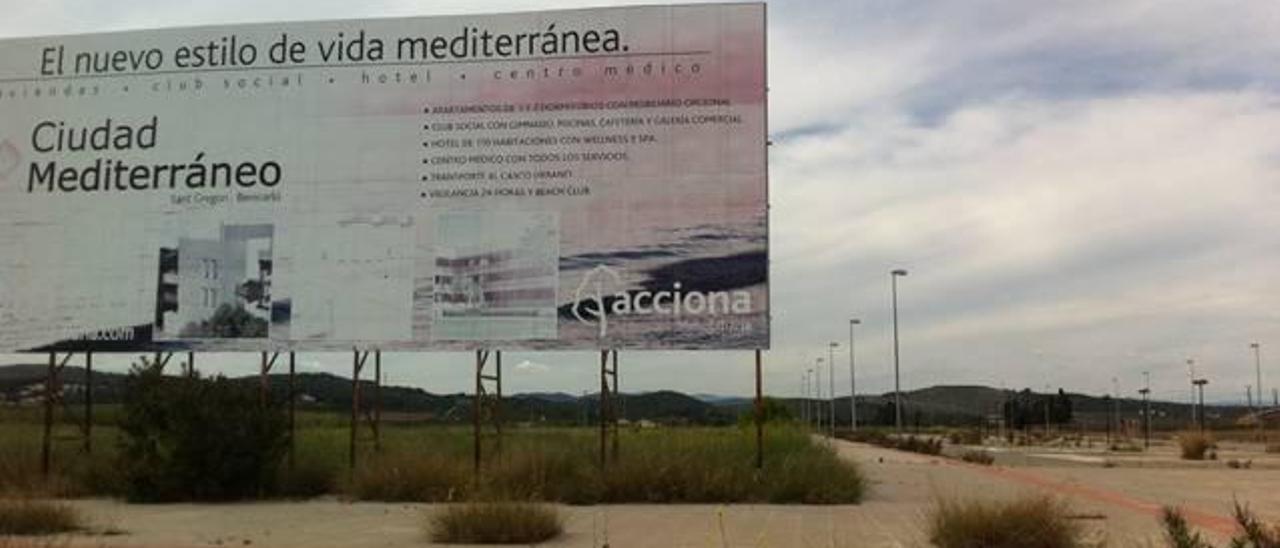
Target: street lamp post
[897, 381]
[817, 400]
[1191, 375]
[1199, 383]
[1257, 367]
[1115, 405]
[831, 386]
[808, 399]
[1146, 410]
[853, 383]
[804, 397]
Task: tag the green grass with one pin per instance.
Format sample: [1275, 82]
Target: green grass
[1033, 522]
[433, 463]
[72, 473]
[27, 516]
[495, 523]
[656, 466]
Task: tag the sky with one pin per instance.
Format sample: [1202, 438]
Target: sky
[1082, 191]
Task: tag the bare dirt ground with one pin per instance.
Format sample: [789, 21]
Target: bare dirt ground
[1118, 505]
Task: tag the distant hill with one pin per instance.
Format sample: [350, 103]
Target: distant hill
[954, 405]
[327, 391]
[558, 397]
[723, 400]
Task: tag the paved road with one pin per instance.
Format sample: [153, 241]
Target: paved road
[1118, 505]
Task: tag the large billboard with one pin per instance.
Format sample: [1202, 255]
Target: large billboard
[552, 180]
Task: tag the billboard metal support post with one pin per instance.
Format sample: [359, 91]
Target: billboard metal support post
[162, 360]
[608, 411]
[615, 403]
[759, 416]
[48, 415]
[293, 403]
[52, 394]
[486, 402]
[377, 400]
[497, 402]
[357, 363]
[475, 416]
[604, 404]
[264, 385]
[88, 403]
[191, 364]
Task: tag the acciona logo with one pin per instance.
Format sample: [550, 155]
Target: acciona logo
[602, 288]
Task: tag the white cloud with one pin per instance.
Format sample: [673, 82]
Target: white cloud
[529, 366]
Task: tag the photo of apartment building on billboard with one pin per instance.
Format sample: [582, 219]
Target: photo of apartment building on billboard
[216, 287]
[496, 280]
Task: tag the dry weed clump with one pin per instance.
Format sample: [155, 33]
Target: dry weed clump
[495, 523]
[1034, 522]
[1195, 445]
[31, 516]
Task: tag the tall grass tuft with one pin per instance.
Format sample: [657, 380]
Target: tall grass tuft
[404, 477]
[29, 516]
[1177, 532]
[1033, 522]
[1194, 445]
[495, 523]
[1253, 533]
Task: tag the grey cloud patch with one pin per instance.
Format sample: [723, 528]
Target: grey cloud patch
[1094, 180]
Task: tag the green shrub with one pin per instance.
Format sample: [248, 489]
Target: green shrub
[774, 412]
[1037, 522]
[1194, 445]
[495, 523]
[309, 477]
[27, 516]
[194, 438]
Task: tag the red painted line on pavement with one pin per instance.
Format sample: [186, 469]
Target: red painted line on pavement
[1214, 522]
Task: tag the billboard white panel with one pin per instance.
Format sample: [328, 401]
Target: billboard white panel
[552, 180]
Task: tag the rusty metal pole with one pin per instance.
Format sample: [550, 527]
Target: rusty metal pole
[759, 416]
[604, 405]
[262, 381]
[377, 400]
[497, 402]
[355, 407]
[88, 403]
[475, 416]
[45, 442]
[293, 403]
[614, 402]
